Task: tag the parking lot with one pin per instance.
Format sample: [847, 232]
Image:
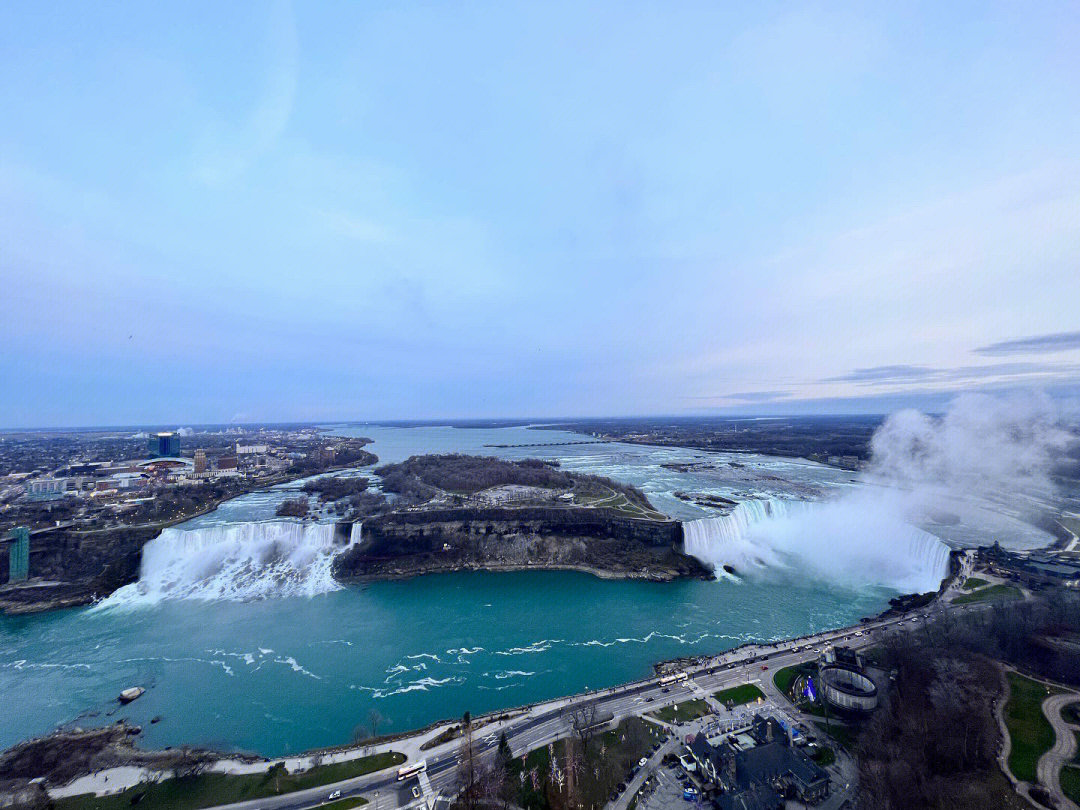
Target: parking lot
[664, 789]
[664, 783]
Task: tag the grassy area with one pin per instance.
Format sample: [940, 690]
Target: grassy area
[209, 789]
[971, 583]
[1029, 730]
[344, 804]
[739, 695]
[783, 678]
[607, 762]
[992, 592]
[1071, 713]
[1070, 782]
[1076, 756]
[681, 712]
[824, 756]
[842, 734]
[611, 499]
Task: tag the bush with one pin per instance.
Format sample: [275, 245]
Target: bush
[294, 507]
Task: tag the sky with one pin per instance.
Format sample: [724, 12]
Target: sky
[215, 212]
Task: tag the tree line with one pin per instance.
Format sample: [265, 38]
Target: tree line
[934, 742]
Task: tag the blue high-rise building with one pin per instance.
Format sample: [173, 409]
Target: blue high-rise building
[164, 445]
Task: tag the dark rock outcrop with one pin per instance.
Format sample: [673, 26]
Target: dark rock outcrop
[72, 568]
[600, 541]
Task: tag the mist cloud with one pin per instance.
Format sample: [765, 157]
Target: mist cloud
[984, 446]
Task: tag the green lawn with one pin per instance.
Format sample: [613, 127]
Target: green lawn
[1029, 730]
[210, 789]
[680, 712]
[783, 678]
[1071, 713]
[739, 695]
[992, 592]
[1076, 756]
[843, 735]
[1070, 782]
[971, 583]
[824, 756]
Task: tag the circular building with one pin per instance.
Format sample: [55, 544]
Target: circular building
[847, 688]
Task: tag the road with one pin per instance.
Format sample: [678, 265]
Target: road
[1048, 769]
[552, 721]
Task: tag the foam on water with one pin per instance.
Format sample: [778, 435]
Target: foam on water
[240, 562]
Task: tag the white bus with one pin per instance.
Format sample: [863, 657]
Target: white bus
[405, 771]
[675, 678]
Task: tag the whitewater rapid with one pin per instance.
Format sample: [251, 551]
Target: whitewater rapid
[239, 562]
[853, 541]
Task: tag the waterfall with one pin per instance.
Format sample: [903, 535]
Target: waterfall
[856, 540]
[721, 541]
[239, 562]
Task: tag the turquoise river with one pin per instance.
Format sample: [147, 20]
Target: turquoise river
[288, 673]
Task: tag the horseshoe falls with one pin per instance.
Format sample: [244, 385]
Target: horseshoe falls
[853, 541]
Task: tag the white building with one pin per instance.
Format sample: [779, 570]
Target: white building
[45, 488]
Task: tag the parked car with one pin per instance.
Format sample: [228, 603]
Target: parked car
[643, 762]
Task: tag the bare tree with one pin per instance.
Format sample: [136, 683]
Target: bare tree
[467, 768]
[277, 772]
[573, 767]
[374, 719]
[583, 717]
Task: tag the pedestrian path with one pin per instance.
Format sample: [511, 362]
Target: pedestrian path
[1050, 764]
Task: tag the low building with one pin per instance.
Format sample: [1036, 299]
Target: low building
[128, 480]
[46, 489]
[844, 683]
[759, 768]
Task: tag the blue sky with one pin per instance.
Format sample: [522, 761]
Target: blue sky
[214, 212]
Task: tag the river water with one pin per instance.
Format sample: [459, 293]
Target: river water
[263, 665]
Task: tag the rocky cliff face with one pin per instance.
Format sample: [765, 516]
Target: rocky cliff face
[600, 541]
[71, 568]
